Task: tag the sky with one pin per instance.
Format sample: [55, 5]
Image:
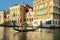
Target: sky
[5, 4]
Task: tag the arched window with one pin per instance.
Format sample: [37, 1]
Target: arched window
[14, 14]
[48, 22]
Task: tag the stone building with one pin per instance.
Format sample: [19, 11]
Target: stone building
[47, 11]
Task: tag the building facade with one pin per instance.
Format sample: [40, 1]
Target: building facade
[14, 15]
[6, 19]
[17, 13]
[47, 11]
[23, 12]
[1, 17]
[29, 17]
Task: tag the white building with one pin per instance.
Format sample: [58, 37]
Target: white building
[1, 17]
[29, 17]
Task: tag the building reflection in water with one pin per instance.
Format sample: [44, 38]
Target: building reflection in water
[39, 34]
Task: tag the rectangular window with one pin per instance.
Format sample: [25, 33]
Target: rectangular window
[48, 22]
[41, 6]
[59, 22]
[42, 11]
[56, 22]
[14, 15]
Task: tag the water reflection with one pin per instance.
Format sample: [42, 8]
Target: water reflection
[20, 36]
[8, 33]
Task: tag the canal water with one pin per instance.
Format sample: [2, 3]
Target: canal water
[8, 33]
